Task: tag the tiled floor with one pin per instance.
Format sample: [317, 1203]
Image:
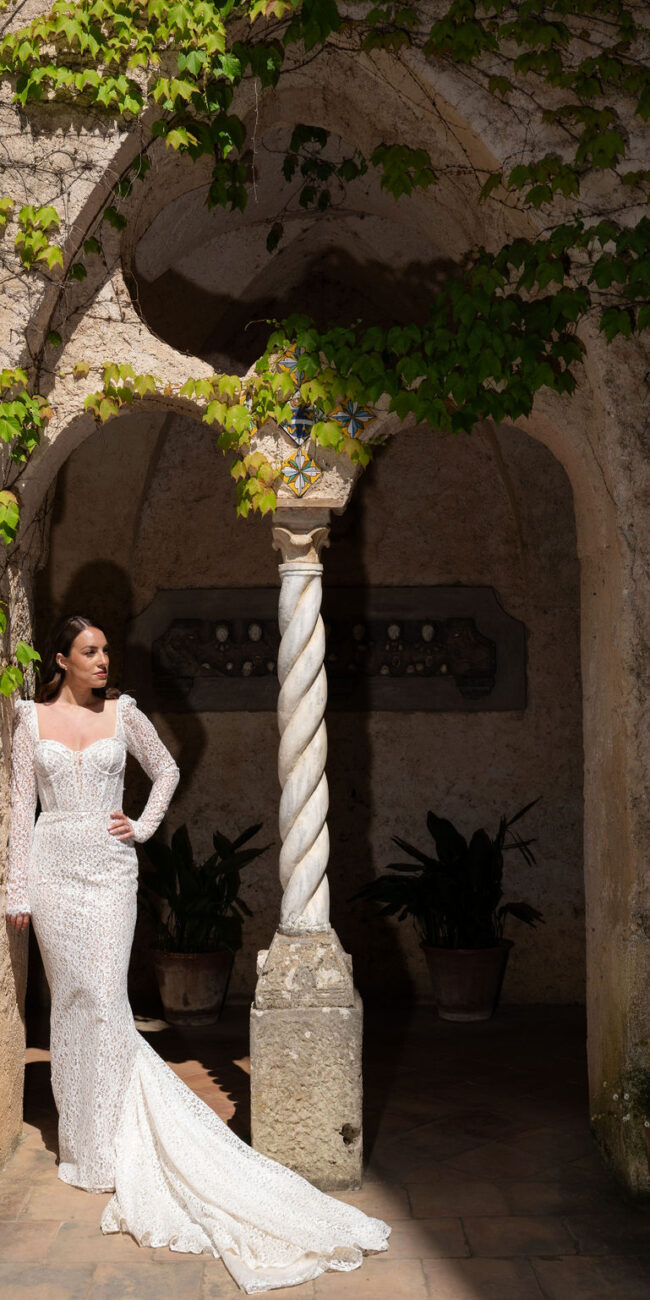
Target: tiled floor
[478, 1155]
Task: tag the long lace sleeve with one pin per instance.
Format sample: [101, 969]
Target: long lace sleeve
[24, 794]
[144, 743]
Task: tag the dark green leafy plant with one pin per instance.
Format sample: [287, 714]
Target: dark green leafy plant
[201, 908]
[455, 897]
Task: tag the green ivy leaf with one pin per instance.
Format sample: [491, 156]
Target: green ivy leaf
[616, 320]
[52, 255]
[144, 384]
[25, 654]
[11, 678]
[114, 218]
[9, 517]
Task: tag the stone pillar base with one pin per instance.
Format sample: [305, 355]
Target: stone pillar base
[306, 1084]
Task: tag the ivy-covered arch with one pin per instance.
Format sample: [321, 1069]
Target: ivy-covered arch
[538, 113]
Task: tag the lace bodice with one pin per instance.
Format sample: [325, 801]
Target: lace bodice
[83, 782]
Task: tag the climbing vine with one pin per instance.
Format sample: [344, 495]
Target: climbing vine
[505, 325]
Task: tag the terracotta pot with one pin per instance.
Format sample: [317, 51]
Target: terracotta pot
[193, 985]
[466, 982]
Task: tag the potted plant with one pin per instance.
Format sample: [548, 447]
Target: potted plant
[454, 899]
[197, 915]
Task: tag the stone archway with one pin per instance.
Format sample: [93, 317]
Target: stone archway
[597, 436]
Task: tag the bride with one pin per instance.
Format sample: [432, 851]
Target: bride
[180, 1177]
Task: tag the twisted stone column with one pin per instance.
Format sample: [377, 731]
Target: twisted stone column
[303, 744]
[306, 1020]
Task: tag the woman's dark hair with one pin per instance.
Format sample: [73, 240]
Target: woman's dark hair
[58, 642]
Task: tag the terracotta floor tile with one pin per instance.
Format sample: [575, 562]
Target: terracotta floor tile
[495, 1160]
[84, 1243]
[425, 1142]
[485, 1124]
[622, 1230]
[38, 1282]
[122, 1282]
[563, 1143]
[461, 1122]
[594, 1278]
[29, 1166]
[286, 1292]
[557, 1197]
[163, 1256]
[377, 1279]
[481, 1279]
[449, 1194]
[27, 1241]
[505, 1237]
[439, 1238]
[397, 1166]
[65, 1202]
[13, 1201]
[219, 1285]
[33, 1136]
[535, 1112]
[379, 1200]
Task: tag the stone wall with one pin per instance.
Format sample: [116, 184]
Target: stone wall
[13, 949]
[599, 435]
[145, 505]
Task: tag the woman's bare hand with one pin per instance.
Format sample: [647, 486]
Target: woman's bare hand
[19, 922]
[121, 828]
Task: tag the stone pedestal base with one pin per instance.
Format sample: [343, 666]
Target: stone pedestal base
[306, 1085]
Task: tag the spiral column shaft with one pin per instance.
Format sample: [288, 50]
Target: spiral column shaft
[306, 1020]
[303, 737]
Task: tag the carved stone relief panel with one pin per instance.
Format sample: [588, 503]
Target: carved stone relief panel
[408, 649]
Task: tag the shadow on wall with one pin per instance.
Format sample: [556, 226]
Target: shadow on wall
[370, 938]
[333, 287]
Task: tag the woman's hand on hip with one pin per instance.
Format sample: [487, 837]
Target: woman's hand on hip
[19, 922]
[121, 828]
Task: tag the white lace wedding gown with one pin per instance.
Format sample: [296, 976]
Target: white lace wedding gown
[127, 1124]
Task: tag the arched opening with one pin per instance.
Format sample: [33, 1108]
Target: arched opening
[146, 506]
[491, 510]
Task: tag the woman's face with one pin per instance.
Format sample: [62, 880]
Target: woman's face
[87, 662]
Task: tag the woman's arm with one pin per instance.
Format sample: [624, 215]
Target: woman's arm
[145, 744]
[24, 795]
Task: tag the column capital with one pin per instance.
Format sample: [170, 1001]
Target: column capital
[300, 534]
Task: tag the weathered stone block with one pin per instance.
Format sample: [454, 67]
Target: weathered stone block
[306, 1083]
[306, 1091]
[307, 970]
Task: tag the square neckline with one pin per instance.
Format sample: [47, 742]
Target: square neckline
[50, 740]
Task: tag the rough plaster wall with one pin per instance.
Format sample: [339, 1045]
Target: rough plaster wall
[13, 947]
[154, 511]
[13, 957]
[600, 435]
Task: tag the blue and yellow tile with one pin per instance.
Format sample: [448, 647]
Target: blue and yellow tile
[353, 416]
[300, 472]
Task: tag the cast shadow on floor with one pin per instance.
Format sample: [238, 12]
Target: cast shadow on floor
[214, 1061]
